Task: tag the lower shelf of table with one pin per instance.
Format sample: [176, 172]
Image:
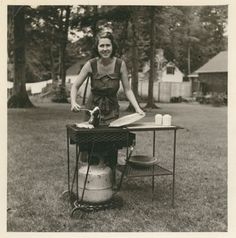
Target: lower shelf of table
[154, 170]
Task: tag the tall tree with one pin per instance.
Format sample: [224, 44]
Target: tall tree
[50, 27]
[20, 98]
[152, 76]
[64, 40]
[134, 14]
[213, 20]
[64, 18]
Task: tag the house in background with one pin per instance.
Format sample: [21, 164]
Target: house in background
[171, 73]
[169, 81]
[168, 72]
[213, 76]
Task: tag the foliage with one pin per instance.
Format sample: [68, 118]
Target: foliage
[178, 27]
[183, 27]
[189, 36]
[215, 99]
[60, 94]
[176, 99]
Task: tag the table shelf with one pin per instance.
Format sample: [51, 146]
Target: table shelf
[154, 170]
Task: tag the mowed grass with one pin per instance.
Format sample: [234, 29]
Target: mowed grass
[37, 174]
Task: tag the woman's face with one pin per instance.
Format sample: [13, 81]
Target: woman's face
[104, 48]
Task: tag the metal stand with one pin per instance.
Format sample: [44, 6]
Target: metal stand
[87, 138]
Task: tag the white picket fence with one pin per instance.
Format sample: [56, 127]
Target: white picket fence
[164, 91]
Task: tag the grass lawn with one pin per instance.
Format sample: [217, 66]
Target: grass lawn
[37, 174]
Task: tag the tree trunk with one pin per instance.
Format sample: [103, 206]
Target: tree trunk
[52, 64]
[150, 102]
[10, 44]
[20, 98]
[94, 23]
[61, 95]
[189, 59]
[63, 45]
[135, 62]
[124, 37]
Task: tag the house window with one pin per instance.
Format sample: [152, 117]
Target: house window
[170, 70]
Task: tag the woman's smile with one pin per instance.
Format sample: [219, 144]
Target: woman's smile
[105, 48]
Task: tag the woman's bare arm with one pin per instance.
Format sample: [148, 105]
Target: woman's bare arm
[76, 85]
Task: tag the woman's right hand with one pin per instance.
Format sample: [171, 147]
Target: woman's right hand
[140, 111]
[75, 107]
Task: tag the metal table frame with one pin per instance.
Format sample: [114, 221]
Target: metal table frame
[154, 170]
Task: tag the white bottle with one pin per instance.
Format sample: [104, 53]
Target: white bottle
[166, 120]
[158, 119]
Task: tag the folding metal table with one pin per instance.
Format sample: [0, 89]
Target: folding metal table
[154, 170]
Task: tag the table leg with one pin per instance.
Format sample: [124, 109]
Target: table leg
[153, 153]
[154, 143]
[125, 168]
[75, 175]
[68, 162]
[77, 172]
[173, 182]
[153, 180]
[86, 177]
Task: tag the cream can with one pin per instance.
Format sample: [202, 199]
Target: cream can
[158, 119]
[166, 120]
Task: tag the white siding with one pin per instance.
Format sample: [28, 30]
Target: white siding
[176, 77]
[164, 91]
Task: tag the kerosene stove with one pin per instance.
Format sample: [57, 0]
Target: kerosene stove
[93, 183]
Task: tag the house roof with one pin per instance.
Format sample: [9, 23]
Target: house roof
[218, 63]
[193, 75]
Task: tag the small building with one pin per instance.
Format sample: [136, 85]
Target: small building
[165, 71]
[213, 76]
[169, 82]
[171, 73]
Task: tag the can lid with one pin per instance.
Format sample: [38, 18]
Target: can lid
[95, 170]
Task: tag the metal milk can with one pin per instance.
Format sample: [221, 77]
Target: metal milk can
[98, 187]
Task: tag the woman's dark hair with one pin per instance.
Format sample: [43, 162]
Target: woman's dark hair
[103, 35]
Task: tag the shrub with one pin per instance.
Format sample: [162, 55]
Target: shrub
[176, 99]
[218, 100]
[215, 99]
[60, 95]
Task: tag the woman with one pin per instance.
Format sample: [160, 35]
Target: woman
[105, 71]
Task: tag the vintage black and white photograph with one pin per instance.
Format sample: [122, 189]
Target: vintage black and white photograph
[117, 118]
